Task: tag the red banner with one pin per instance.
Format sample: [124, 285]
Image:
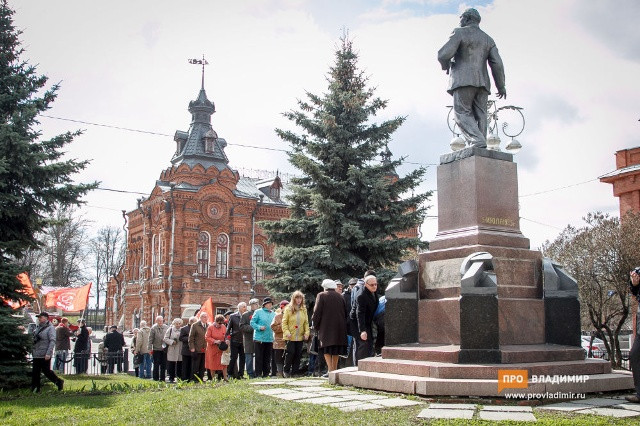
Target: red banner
[27, 288]
[69, 299]
[207, 307]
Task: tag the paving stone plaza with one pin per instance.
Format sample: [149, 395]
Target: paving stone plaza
[317, 391]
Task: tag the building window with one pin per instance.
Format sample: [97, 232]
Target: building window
[203, 254]
[208, 145]
[222, 254]
[162, 256]
[258, 256]
[274, 193]
[155, 256]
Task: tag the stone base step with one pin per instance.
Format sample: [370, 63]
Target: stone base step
[510, 353]
[444, 370]
[429, 386]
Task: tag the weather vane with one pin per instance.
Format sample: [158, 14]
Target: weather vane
[202, 62]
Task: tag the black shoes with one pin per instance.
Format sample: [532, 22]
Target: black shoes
[60, 384]
[633, 398]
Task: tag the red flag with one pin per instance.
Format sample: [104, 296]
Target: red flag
[27, 288]
[207, 307]
[69, 299]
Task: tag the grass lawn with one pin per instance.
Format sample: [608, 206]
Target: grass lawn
[121, 399]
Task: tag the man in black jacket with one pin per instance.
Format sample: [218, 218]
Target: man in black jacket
[634, 354]
[185, 352]
[367, 303]
[234, 333]
[114, 342]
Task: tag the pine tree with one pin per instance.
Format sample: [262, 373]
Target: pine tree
[349, 207]
[34, 181]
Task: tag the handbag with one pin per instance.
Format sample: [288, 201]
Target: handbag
[226, 358]
[138, 359]
[313, 349]
[223, 346]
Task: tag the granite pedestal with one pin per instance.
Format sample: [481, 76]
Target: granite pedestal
[484, 300]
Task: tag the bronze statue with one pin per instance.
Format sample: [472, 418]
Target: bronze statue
[464, 57]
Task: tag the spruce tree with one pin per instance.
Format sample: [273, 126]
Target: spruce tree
[34, 181]
[349, 207]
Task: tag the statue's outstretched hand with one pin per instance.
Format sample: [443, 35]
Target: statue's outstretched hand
[502, 94]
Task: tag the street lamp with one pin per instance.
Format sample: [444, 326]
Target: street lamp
[494, 127]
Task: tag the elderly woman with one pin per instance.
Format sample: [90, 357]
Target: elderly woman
[215, 338]
[279, 345]
[132, 348]
[174, 347]
[295, 330]
[330, 319]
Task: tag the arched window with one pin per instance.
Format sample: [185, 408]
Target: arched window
[203, 254]
[222, 255]
[258, 256]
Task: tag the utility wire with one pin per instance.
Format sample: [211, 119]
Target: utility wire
[267, 149]
[109, 126]
[559, 188]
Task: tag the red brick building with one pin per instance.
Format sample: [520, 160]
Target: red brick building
[626, 186]
[626, 180]
[195, 236]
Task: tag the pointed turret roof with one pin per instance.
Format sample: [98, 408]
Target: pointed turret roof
[201, 144]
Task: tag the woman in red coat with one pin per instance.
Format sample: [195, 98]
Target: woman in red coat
[213, 355]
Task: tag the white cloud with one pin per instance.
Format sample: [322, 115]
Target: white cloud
[572, 65]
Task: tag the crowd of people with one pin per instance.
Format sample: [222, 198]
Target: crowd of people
[256, 339]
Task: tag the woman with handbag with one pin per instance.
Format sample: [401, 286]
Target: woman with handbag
[216, 345]
[137, 358]
[174, 347]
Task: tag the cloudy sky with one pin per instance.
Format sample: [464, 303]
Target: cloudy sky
[572, 65]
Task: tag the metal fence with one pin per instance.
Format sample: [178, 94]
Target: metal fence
[96, 318]
[604, 355]
[91, 363]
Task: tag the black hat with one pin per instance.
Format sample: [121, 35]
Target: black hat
[43, 314]
[227, 313]
[114, 327]
[266, 300]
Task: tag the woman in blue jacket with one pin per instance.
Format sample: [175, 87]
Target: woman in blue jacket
[263, 337]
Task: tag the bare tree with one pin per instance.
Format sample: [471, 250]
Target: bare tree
[600, 256]
[60, 260]
[108, 250]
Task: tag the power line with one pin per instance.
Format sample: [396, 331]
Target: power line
[540, 223]
[109, 126]
[122, 191]
[559, 188]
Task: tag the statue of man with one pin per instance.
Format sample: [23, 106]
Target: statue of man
[464, 57]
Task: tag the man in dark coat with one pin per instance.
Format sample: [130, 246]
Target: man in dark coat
[247, 336]
[114, 342]
[185, 352]
[367, 305]
[63, 344]
[81, 350]
[198, 346]
[234, 333]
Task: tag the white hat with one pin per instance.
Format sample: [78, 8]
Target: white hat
[327, 284]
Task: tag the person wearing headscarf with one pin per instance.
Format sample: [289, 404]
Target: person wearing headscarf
[330, 320]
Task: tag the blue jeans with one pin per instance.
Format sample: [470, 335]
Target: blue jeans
[61, 360]
[248, 362]
[145, 367]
